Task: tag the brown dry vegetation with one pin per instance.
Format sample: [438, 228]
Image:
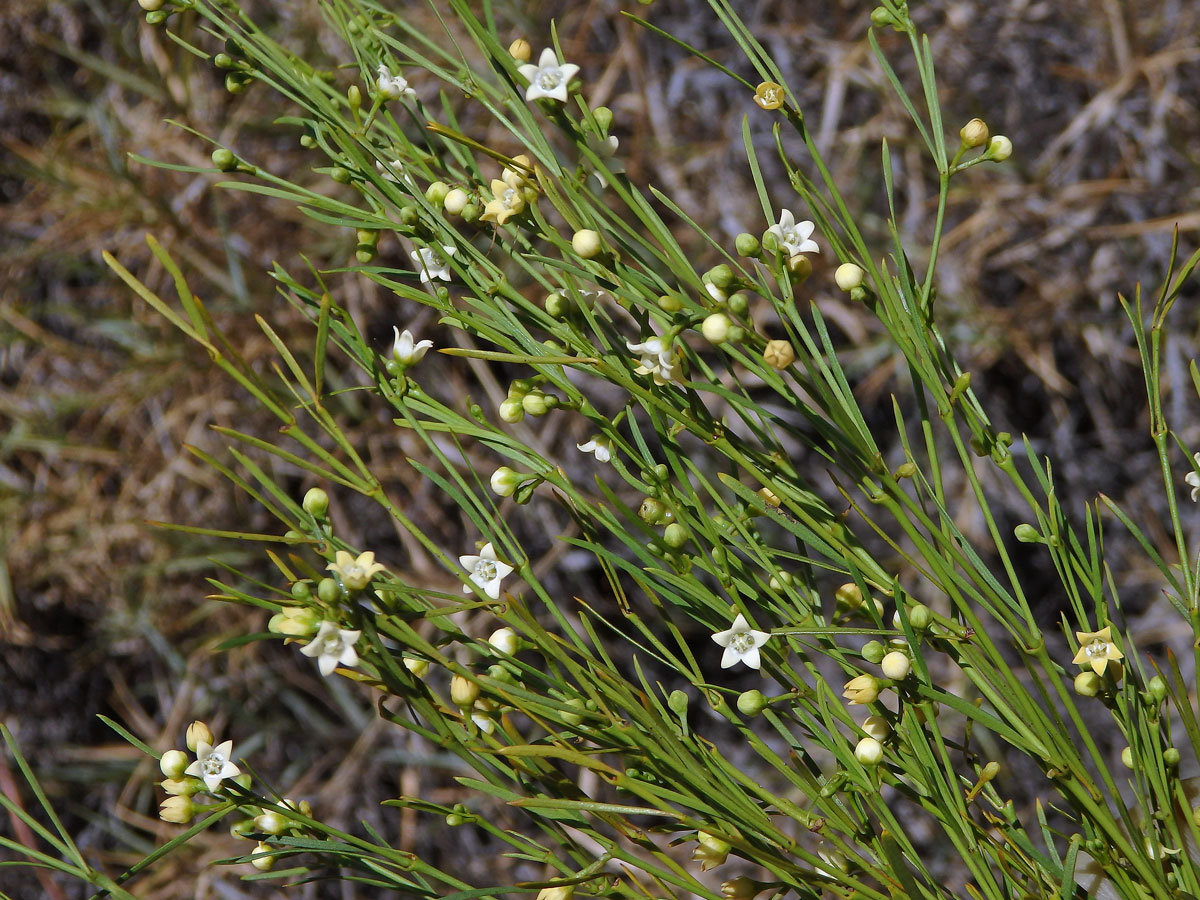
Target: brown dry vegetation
[99, 399]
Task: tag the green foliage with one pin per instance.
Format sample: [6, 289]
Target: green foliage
[763, 494]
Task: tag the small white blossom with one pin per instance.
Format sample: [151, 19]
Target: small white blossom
[794, 236]
[657, 360]
[548, 78]
[389, 171]
[485, 571]
[393, 87]
[405, 351]
[605, 149]
[1193, 479]
[741, 643]
[332, 646]
[213, 764]
[433, 264]
[600, 446]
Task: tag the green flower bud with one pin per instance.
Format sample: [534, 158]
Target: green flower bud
[1127, 757]
[678, 703]
[470, 212]
[747, 245]
[512, 411]
[505, 481]
[1171, 757]
[751, 703]
[669, 303]
[558, 306]
[675, 536]
[849, 597]
[652, 511]
[329, 591]
[316, 503]
[1157, 688]
[799, 267]
[604, 117]
[721, 276]
[409, 215]
[436, 193]
[157, 17]
[873, 651]
[341, 175]
[354, 96]
[739, 304]
[1027, 534]
[224, 159]
[919, 616]
[535, 403]
[1088, 684]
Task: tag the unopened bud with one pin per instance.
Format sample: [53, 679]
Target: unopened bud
[198, 733]
[315, 502]
[849, 276]
[587, 244]
[974, 133]
[999, 148]
[521, 50]
[869, 752]
[779, 354]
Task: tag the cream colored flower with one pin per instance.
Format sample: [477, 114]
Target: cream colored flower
[506, 202]
[657, 360]
[794, 237]
[1096, 649]
[355, 573]
[213, 764]
[1193, 479]
[392, 87]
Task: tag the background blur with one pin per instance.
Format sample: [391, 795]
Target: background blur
[99, 398]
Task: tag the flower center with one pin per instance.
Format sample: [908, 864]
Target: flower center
[548, 79]
[331, 645]
[742, 642]
[485, 570]
[213, 764]
[508, 197]
[1096, 647]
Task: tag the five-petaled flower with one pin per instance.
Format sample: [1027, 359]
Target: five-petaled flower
[405, 351]
[1193, 479]
[600, 446]
[332, 646]
[769, 95]
[506, 202]
[741, 643]
[549, 78]
[1096, 649]
[485, 571]
[355, 572]
[392, 87]
[213, 764]
[433, 264]
[794, 237]
[657, 360]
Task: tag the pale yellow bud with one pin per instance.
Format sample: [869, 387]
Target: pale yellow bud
[849, 276]
[198, 733]
[779, 354]
[587, 244]
[463, 692]
[521, 50]
[974, 133]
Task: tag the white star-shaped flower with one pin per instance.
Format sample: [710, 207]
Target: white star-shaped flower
[404, 351]
[1193, 479]
[332, 646]
[657, 360]
[433, 264]
[599, 446]
[548, 78]
[213, 764]
[392, 87]
[741, 643]
[485, 571]
[794, 237]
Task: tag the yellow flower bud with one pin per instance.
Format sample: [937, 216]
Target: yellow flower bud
[198, 733]
[974, 133]
[177, 809]
[521, 50]
[463, 692]
[587, 244]
[779, 354]
[849, 276]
